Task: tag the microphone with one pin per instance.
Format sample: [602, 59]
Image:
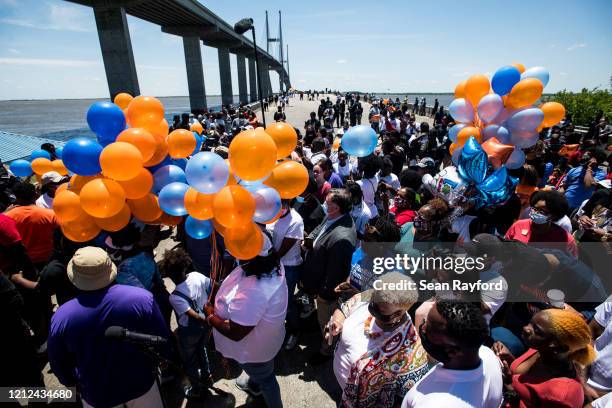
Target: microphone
[123, 334]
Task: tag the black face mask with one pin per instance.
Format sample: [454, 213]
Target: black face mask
[377, 315]
[436, 351]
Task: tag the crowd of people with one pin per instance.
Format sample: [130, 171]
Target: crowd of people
[387, 347]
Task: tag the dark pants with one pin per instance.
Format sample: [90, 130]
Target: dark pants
[261, 378]
[192, 346]
[292, 275]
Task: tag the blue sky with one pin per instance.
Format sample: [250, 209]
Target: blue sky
[50, 49]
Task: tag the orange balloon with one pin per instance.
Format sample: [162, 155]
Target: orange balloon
[41, 166]
[121, 161]
[526, 92]
[139, 186]
[102, 198]
[159, 130]
[519, 66]
[284, 136]
[252, 154]
[141, 139]
[117, 221]
[233, 206]
[81, 229]
[244, 242]
[181, 143]
[146, 209]
[199, 205]
[67, 205]
[77, 182]
[231, 180]
[123, 100]
[218, 227]
[62, 187]
[476, 87]
[554, 112]
[289, 178]
[465, 133]
[196, 127]
[452, 148]
[145, 111]
[498, 152]
[58, 165]
[460, 89]
[161, 151]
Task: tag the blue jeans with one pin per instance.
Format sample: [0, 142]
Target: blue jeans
[192, 346]
[261, 378]
[292, 275]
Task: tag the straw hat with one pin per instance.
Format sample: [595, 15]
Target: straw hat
[91, 269]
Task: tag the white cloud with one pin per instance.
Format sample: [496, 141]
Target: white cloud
[14, 51]
[552, 46]
[341, 61]
[576, 46]
[42, 62]
[158, 67]
[460, 74]
[60, 18]
[563, 73]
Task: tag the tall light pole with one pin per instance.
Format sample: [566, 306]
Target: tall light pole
[242, 27]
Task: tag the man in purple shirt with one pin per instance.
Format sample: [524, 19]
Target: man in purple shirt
[107, 372]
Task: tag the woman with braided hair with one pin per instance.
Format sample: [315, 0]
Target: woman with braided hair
[546, 375]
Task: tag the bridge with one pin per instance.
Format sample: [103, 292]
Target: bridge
[194, 23]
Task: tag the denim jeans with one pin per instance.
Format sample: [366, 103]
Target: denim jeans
[292, 275]
[261, 378]
[192, 346]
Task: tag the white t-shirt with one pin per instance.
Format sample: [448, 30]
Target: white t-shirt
[461, 226]
[361, 215]
[369, 187]
[197, 287]
[344, 171]
[478, 388]
[249, 301]
[600, 372]
[290, 225]
[316, 157]
[44, 201]
[391, 180]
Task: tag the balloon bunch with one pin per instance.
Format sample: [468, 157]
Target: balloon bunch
[40, 163]
[500, 118]
[142, 171]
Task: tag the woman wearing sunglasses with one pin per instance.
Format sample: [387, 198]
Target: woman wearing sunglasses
[379, 356]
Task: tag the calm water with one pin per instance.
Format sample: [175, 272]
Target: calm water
[66, 118]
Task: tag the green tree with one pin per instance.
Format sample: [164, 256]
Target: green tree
[584, 105]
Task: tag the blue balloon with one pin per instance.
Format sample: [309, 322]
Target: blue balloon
[496, 131]
[82, 156]
[539, 73]
[172, 199]
[198, 229]
[473, 162]
[21, 168]
[495, 180]
[167, 160]
[524, 139]
[166, 175]
[267, 202]
[516, 159]
[454, 131]
[525, 120]
[106, 120]
[207, 172]
[199, 141]
[359, 140]
[40, 153]
[59, 151]
[504, 79]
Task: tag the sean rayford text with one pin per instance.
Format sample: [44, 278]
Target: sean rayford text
[454, 285]
[410, 264]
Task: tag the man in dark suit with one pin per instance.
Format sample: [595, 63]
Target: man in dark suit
[328, 262]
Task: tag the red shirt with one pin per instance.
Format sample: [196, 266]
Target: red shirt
[522, 231]
[404, 216]
[36, 226]
[322, 191]
[540, 392]
[9, 235]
